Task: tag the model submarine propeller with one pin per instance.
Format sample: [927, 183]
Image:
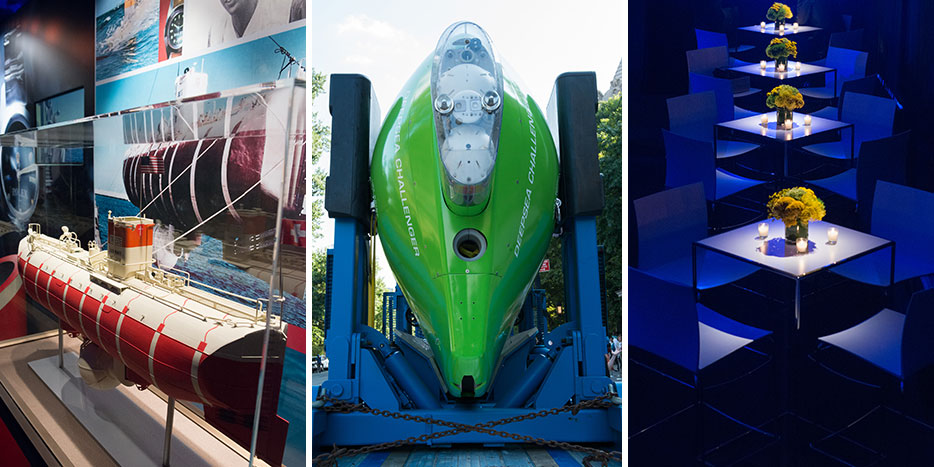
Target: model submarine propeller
[465, 176]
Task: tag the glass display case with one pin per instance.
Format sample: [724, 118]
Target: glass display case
[166, 243]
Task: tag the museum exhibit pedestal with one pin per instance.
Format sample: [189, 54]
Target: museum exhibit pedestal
[72, 424]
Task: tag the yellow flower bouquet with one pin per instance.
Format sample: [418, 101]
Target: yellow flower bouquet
[778, 12]
[780, 49]
[785, 99]
[795, 207]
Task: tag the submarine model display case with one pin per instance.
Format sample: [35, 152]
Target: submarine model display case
[181, 283]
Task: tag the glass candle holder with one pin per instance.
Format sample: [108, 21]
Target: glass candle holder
[807, 120]
[764, 119]
[762, 64]
[798, 66]
[832, 235]
[794, 26]
[802, 245]
[763, 230]
[780, 67]
[788, 124]
[762, 25]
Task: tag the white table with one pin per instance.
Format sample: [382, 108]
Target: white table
[751, 129]
[775, 255]
[769, 29]
[790, 75]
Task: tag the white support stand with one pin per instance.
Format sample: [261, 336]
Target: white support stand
[167, 446]
[127, 422]
[61, 345]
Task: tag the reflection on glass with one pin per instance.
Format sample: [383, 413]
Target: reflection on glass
[216, 184]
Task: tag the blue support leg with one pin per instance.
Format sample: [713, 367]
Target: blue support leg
[582, 287]
[346, 309]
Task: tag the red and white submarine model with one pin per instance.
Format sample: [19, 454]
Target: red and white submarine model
[145, 326]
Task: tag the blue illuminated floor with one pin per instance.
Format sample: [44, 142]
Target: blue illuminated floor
[823, 402]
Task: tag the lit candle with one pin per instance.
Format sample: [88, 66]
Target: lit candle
[764, 230]
[797, 65]
[762, 64]
[794, 26]
[787, 123]
[832, 236]
[762, 25]
[764, 119]
[807, 120]
[781, 28]
[802, 245]
[781, 67]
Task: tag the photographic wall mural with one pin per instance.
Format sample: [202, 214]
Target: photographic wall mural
[206, 178]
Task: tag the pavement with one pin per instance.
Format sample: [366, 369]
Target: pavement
[318, 378]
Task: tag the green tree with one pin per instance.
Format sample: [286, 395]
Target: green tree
[320, 143]
[553, 283]
[318, 270]
[379, 290]
[610, 223]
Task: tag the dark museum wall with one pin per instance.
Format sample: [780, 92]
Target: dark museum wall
[57, 49]
[47, 52]
[896, 34]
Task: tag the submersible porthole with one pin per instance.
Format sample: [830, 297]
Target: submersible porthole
[469, 244]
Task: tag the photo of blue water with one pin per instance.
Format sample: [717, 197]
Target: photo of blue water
[127, 38]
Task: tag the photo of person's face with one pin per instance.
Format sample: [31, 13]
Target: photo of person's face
[235, 7]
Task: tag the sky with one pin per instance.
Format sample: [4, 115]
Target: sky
[386, 40]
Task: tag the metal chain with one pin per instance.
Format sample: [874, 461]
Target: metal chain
[329, 459]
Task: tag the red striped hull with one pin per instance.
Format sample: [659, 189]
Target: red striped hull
[222, 379]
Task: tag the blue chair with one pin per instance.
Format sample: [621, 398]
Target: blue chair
[850, 65]
[665, 321]
[872, 117]
[707, 39]
[667, 224]
[694, 116]
[705, 61]
[852, 40]
[689, 160]
[881, 159]
[899, 344]
[899, 213]
[723, 91]
[871, 85]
